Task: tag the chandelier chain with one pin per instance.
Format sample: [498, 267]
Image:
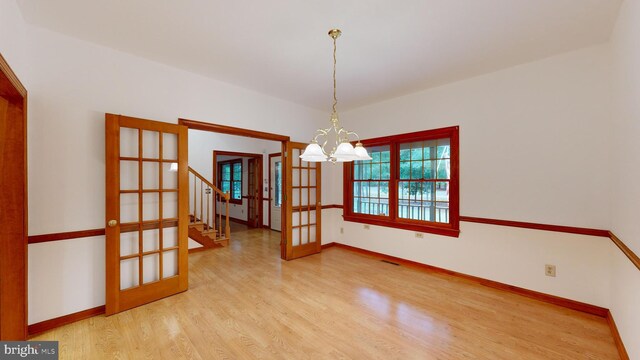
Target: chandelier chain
[335, 98]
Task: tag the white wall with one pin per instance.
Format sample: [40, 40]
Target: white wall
[13, 39]
[625, 289]
[534, 139]
[72, 84]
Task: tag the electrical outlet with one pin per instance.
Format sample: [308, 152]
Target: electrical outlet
[366, 227]
[341, 230]
[419, 235]
[550, 270]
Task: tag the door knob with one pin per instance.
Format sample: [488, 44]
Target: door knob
[112, 223]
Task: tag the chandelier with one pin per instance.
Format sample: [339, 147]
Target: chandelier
[335, 136]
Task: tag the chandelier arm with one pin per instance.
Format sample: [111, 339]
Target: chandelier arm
[353, 133]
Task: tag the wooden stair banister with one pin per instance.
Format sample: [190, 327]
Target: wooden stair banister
[208, 208]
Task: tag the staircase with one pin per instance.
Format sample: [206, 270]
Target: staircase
[208, 212]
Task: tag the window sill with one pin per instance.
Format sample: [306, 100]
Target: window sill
[445, 231]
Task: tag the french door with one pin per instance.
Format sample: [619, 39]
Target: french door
[146, 211]
[305, 210]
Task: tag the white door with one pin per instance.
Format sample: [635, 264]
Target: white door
[275, 193]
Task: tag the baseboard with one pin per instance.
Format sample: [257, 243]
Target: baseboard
[47, 325]
[616, 337]
[551, 299]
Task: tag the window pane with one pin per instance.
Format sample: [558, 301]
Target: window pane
[237, 190]
[416, 151]
[375, 155]
[385, 171]
[237, 171]
[428, 191]
[364, 189]
[405, 152]
[226, 172]
[375, 171]
[416, 169]
[384, 189]
[441, 212]
[357, 170]
[403, 189]
[444, 169]
[442, 191]
[428, 171]
[405, 170]
[366, 171]
[225, 186]
[444, 150]
[374, 189]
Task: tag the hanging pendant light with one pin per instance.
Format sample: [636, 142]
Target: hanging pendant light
[335, 135]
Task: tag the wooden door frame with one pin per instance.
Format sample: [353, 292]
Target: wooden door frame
[241, 155]
[231, 130]
[272, 155]
[14, 222]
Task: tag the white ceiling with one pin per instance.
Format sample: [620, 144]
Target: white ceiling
[281, 47]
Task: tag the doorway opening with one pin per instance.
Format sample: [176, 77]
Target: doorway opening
[241, 175]
[231, 156]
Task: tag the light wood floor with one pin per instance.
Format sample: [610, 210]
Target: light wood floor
[245, 303]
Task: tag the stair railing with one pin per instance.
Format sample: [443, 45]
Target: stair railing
[203, 209]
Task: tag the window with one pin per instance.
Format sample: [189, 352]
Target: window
[230, 179]
[410, 183]
[278, 180]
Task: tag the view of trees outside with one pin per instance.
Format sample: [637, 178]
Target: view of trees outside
[423, 181]
[237, 181]
[371, 182]
[229, 180]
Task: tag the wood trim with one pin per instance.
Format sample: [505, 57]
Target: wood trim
[35, 239]
[552, 299]
[237, 153]
[625, 249]
[616, 337]
[12, 77]
[47, 325]
[231, 130]
[332, 206]
[404, 225]
[535, 226]
[14, 198]
[328, 245]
